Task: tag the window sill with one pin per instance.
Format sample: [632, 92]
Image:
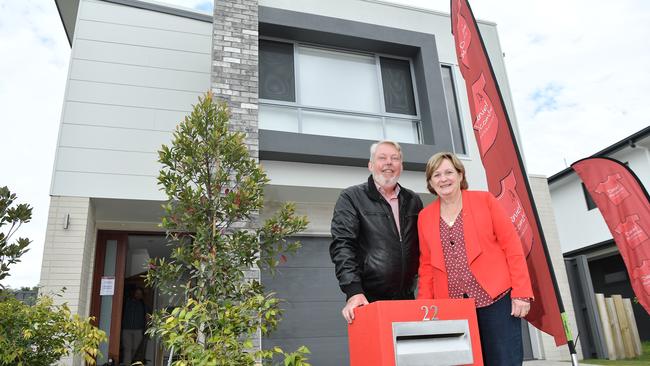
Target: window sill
[304, 148]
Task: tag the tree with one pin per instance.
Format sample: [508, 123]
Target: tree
[43, 333]
[14, 216]
[214, 187]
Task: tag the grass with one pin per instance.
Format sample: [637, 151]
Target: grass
[644, 359]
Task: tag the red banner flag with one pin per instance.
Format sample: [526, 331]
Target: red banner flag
[625, 205]
[504, 168]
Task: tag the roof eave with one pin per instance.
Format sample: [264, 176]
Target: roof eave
[639, 135]
[68, 13]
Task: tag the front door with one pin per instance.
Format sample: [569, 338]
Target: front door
[121, 262]
[108, 291]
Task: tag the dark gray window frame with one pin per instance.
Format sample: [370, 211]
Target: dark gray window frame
[383, 114]
[456, 111]
[588, 200]
[341, 33]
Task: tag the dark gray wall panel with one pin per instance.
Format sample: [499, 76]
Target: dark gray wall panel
[304, 284]
[312, 253]
[313, 303]
[311, 320]
[303, 148]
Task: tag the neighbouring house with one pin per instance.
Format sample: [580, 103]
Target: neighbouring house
[593, 259]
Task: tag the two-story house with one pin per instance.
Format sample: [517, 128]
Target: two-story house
[313, 83]
[587, 244]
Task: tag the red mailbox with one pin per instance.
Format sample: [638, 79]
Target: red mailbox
[415, 332]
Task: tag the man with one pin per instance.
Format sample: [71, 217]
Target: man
[374, 234]
[134, 321]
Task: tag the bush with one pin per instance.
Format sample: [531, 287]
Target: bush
[42, 333]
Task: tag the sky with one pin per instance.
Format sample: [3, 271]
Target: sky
[578, 73]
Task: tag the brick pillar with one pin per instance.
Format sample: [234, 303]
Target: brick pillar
[234, 77]
[234, 64]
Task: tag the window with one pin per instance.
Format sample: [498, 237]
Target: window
[453, 111]
[590, 202]
[319, 91]
[276, 72]
[398, 88]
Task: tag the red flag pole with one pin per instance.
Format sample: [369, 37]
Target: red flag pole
[490, 136]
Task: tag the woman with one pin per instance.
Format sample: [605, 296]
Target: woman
[469, 248]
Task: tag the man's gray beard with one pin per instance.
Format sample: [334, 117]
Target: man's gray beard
[383, 182]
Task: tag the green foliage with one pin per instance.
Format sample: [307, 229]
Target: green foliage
[40, 333]
[214, 186]
[14, 216]
[44, 333]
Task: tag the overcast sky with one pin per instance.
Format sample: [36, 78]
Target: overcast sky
[578, 73]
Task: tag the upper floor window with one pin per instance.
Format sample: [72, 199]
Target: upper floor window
[588, 200]
[313, 90]
[452, 109]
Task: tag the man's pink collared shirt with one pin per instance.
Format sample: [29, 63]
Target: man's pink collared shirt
[393, 202]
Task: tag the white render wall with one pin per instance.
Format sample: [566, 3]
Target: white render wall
[134, 74]
[542, 197]
[577, 226]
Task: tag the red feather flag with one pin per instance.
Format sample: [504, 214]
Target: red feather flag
[504, 168]
[625, 206]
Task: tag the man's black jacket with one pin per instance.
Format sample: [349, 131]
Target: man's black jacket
[369, 254]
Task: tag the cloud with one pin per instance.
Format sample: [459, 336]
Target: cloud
[201, 5]
[34, 61]
[206, 6]
[545, 98]
[577, 71]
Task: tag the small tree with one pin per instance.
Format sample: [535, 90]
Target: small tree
[43, 333]
[14, 216]
[214, 188]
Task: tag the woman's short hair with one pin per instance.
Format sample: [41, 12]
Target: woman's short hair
[437, 159]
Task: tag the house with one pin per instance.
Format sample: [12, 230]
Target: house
[587, 243]
[313, 84]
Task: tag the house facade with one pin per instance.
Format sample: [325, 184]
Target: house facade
[312, 84]
[586, 242]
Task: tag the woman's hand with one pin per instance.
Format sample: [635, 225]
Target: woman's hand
[520, 308]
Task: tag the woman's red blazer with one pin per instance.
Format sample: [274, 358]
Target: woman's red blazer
[494, 251]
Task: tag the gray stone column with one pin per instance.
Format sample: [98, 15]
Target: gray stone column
[234, 64]
[234, 77]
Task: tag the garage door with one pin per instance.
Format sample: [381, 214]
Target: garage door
[313, 303]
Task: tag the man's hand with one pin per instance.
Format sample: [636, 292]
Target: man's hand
[520, 308]
[353, 302]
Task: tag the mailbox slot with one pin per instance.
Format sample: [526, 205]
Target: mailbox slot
[436, 342]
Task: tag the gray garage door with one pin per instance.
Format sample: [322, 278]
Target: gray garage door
[312, 305]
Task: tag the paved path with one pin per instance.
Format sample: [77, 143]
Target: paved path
[551, 363]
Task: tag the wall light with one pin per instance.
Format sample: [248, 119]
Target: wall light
[66, 221]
